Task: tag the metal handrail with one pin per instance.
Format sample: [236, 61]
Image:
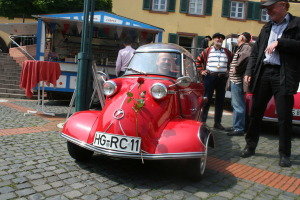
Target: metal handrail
[26, 52]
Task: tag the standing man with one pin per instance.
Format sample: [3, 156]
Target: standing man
[274, 70]
[236, 75]
[213, 64]
[124, 56]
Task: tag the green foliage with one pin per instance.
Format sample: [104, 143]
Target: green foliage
[26, 8]
[138, 104]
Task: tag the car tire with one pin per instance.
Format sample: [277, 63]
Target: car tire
[196, 168]
[78, 153]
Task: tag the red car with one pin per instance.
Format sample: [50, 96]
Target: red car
[150, 113]
[270, 112]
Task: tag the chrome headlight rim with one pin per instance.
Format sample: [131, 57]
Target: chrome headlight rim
[113, 84]
[164, 89]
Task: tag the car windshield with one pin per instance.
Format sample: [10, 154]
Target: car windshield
[163, 63]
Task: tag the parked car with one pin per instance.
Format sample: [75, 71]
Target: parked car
[150, 113]
[270, 112]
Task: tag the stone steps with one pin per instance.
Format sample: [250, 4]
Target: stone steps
[10, 73]
[11, 95]
[10, 86]
[12, 91]
[13, 82]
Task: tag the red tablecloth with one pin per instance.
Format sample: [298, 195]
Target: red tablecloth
[35, 71]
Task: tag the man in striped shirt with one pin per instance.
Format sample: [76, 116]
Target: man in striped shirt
[213, 64]
[236, 75]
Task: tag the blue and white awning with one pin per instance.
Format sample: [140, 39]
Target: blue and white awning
[101, 17]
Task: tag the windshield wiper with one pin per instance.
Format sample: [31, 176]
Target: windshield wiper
[129, 68]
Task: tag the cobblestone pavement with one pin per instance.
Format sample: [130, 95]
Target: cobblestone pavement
[35, 164]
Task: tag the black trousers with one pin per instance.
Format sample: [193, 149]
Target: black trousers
[268, 86]
[214, 82]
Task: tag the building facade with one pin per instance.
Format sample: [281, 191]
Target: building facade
[186, 22]
[14, 26]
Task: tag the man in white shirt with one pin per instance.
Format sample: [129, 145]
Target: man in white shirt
[124, 56]
[213, 64]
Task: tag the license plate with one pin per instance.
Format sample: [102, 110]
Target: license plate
[296, 112]
[117, 142]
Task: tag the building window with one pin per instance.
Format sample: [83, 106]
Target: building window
[159, 5]
[264, 16]
[237, 10]
[196, 7]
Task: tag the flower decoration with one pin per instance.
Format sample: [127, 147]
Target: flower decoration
[139, 103]
[140, 80]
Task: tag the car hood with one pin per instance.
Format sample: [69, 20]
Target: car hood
[119, 117]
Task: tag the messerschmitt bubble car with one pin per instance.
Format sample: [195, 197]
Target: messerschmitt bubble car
[150, 113]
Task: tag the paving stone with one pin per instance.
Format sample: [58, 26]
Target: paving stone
[51, 192]
[202, 195]
[57, 197]
[118, 197]
[88, 190]
[77, 185]
[25, 192]
[36, 197]
[225, 194]
[23, 185]
[131, 193]
[73, 194]
[41, 188]
[248, 196]
[7, 196]
[104, 193]
[6, 189]
[145, 197]
[34, 176]
[38, 182]
[5, 183]
[20, 180]
[89, 197]
[7, 177]
[218, 198]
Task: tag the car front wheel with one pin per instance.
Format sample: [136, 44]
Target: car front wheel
[79, 153]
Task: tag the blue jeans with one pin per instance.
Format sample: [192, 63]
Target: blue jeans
[238, 104]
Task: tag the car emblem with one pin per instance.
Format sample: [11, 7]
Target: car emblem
[119, 114]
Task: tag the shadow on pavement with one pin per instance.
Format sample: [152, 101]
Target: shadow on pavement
[164, 175]
[169, 174]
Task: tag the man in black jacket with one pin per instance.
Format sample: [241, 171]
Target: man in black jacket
[273, 70]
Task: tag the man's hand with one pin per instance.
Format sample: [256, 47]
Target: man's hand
[204, 72]
[271, 47]
[247, 79]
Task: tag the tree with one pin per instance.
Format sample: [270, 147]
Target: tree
[26, 8]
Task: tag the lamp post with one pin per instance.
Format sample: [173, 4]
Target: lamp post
[84, 83]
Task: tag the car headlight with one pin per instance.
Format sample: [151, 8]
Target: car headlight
[109, 88]
[158, 91]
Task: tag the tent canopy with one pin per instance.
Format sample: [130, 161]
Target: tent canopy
[100, 18]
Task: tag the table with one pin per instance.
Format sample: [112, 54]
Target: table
[34, 72]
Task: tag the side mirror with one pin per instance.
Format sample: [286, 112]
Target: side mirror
[183, 81]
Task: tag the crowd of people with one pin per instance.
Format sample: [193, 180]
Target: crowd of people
[270, 67]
